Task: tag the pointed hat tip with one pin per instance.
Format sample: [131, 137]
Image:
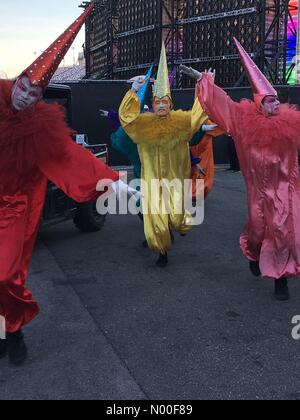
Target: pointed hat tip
[162, 85]
[237, 43]
[261, 86]
[41, 71]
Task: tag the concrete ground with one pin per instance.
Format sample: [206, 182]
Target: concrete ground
[113, 326]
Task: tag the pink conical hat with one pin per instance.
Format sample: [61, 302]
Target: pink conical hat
[260, 84]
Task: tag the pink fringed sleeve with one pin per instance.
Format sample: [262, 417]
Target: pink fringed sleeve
[218, 105]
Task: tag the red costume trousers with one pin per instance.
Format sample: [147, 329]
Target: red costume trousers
[18, 232]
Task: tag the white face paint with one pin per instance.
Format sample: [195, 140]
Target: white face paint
[162, 107]
[271, 105]
[24, 95]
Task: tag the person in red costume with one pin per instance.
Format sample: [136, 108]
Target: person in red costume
[267, 137]
[36, 146]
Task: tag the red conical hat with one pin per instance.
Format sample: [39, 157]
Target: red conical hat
[260, 84]
[41, 71]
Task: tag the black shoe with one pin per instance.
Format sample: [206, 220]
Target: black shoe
[17, 350]
[282, 290]
[3, 348]
[162, 261]
[254, 268]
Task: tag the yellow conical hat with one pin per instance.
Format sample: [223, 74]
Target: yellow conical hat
[162, 84]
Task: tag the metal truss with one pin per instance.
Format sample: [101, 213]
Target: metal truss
[124, 36]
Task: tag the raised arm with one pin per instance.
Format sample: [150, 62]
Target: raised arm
[218, 105]
[197, 117]
[131, 118]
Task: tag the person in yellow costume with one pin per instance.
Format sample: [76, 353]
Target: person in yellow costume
[163, 144]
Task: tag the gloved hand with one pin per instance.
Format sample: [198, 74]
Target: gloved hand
[209, 127]
[189, 71]
[195, 74]
[103, 113]
[137, 82]
[211, 72]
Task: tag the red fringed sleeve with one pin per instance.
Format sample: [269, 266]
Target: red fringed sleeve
[69, 166]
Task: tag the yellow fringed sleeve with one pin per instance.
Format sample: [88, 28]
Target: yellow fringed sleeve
[178, 126]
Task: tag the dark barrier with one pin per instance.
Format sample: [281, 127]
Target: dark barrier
[89, 96]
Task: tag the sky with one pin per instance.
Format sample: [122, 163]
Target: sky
[29, 26]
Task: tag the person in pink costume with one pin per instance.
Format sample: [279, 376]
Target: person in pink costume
[267, 137]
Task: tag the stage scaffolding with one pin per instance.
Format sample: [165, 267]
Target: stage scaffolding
[123, 37]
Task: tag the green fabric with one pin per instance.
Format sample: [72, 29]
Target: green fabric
[123, 144]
